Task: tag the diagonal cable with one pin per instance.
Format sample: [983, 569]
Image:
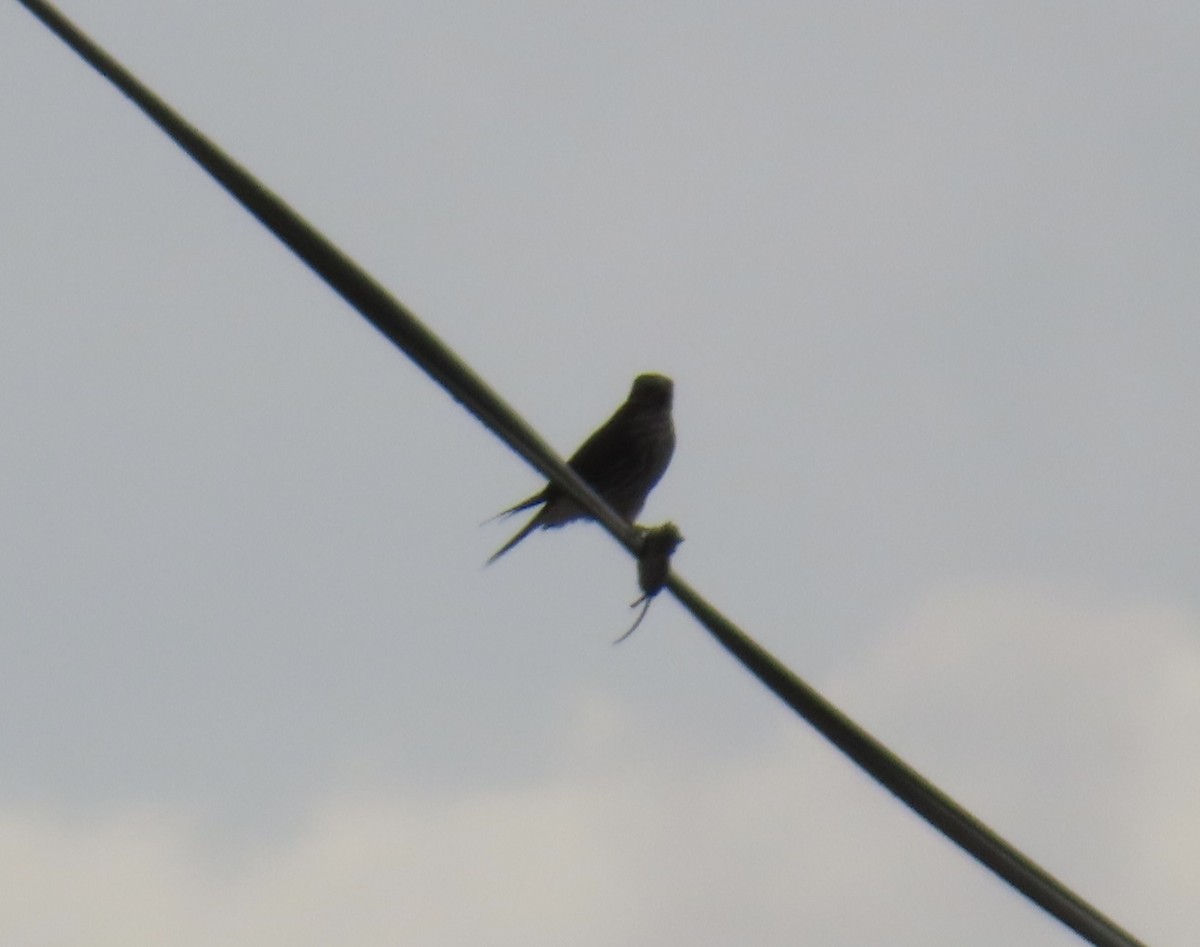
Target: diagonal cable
[391, 318]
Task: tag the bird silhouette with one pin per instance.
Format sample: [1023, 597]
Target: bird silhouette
[621, 461]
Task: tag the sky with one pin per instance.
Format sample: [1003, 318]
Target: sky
[925, 278]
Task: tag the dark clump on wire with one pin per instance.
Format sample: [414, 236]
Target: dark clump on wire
[622, 461]
[654, 564]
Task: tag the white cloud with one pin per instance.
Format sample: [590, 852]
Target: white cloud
[621, 846]
[1066, 721]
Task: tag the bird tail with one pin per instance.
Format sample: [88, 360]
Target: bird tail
[523, 505]
[521, 534]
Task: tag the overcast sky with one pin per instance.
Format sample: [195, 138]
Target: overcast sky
[925, 276]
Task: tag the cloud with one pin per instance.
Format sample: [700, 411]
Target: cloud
[1065, 723]
[1064, 719]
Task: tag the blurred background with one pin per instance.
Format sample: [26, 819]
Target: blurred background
[925, 278]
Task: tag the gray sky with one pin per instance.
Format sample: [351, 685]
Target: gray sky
[925, 279]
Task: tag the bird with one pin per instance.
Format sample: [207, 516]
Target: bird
[621, 461]
[654, 564]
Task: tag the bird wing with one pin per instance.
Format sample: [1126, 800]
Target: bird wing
[606, 444]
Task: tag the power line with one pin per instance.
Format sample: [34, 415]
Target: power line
[391, 318]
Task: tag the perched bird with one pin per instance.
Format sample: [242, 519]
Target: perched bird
[654, 563]
[622, 461]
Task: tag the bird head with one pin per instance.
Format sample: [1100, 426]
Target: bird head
[652, 391]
